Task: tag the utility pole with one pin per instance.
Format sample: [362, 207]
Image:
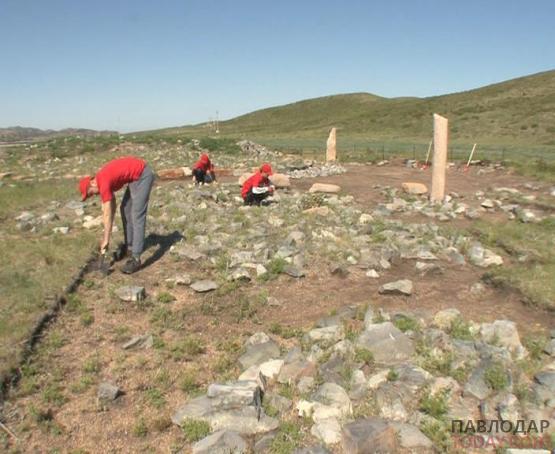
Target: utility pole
[217, 123]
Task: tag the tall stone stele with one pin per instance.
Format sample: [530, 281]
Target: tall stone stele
[441, 138]
[331, 152]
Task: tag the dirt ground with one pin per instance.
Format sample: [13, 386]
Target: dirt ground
[84, 425]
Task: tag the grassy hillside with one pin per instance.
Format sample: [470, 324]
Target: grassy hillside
[516, 111]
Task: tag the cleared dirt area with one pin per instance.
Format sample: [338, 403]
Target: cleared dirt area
[55, 409]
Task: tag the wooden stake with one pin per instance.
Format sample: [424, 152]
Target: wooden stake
[8, 431]
[470, 157]
[425, 166]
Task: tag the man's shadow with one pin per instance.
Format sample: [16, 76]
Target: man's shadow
[164, 242]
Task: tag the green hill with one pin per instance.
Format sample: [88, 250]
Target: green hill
[518, 111]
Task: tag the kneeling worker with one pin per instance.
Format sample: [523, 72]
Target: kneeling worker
[258, 186]
[139, 177]
[203, 170]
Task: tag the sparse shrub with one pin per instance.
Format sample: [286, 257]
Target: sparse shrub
[496, 377]
[155, 397]
[392, 375]
[435, 405]
[535, 345]
[188, 348]
[195, 430]
[460, 329]
[288, 438]
[140, 428]
[188, 383]
[363, 355]
[165, 298]
[406, 323]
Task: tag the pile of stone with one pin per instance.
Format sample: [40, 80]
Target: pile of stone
[368, 391]
[314, 171]
[256, 150]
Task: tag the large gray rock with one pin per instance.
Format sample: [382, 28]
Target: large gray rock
[505, 334]
[372, 435]
[188, 252]
[482, 257]
[107, 392]
[243, 420]
[233, 394]
[547, 379]
[387, 343]
[410, 437]
[259, 353]
[204, 286]
[327, 430]
[221, 442]
[333, 395]
[131, 293]
[328, 335]
[476, 385]
[402, 287]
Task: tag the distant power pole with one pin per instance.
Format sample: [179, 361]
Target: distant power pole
[217, 123]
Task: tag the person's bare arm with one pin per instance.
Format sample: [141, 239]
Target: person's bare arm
[108, 214]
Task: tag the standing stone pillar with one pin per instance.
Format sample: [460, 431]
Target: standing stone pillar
[441, 137]
[331, 152]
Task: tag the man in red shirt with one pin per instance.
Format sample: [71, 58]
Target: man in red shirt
[139, 177]
[203, 170]
[258, 186]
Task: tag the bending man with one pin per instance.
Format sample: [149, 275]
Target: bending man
[139, 177]
[258, 186]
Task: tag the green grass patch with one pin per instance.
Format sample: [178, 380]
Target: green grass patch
[195, 430]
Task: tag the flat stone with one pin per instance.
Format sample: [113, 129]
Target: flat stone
[221, 442]
[232, 394]
[550, 348]
[240, 274]
[476, 385]
[371, 435]
[61, 230]
[293, 371]
[280, 403]
[410, 437]
[293, 271]
[107, 392]
[546, 378]
[387, 343]
[204, 286]
[483, 258]
[257, 338]
[333, 395]
[401, 287]
[504, 333]
[325, 188]
[414, 188]
[145, 341]
[313, 450]
[188, 252]
[131, 293]
[92, 223]
[327, 335]
[327, 430]
[259, 353]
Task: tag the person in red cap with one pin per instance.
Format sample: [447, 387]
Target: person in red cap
[258, 186]
[139, 177]
[203, 170]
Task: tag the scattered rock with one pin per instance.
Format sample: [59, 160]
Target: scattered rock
[414, 188]
[107, 392]
[445, 318]
[387, 343]
[221, 442]
[145, 341]
[402, 287]
[325, 188]
[131, 293]
[259, 353]
[370, 435]
[204, 286]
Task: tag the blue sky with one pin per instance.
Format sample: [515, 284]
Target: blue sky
[134, 65]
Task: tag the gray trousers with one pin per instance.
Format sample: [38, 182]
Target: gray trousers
[134, 206]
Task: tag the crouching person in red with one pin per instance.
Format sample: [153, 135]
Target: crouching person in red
[139, 177]
[258, 187]
[203, 170]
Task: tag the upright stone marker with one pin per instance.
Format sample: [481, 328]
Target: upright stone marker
[331, 152]
[441, 137]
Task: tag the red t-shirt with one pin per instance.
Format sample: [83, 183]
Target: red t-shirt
[256, 181]
[116, 174]
[204, 164]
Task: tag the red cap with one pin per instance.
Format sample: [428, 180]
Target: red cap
[266, 168]
[84, 184]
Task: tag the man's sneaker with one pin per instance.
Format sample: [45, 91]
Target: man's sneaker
[131, 266]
